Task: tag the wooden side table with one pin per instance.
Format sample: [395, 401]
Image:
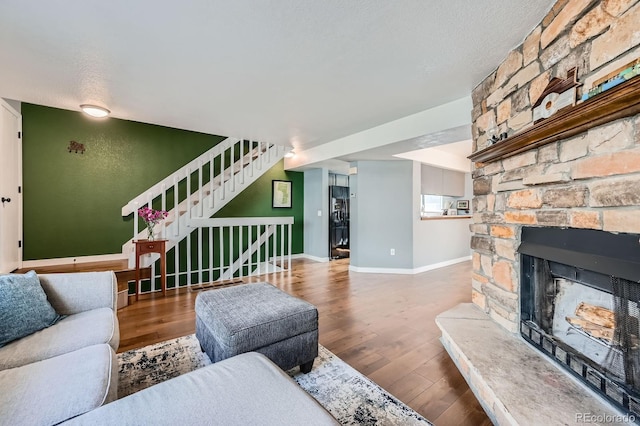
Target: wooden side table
[146, 247]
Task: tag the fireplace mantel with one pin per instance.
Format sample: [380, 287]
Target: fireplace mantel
[618, 102]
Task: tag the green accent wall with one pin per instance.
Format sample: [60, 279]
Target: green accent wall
[73, 202]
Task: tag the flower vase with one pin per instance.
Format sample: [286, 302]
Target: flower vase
[150, 235]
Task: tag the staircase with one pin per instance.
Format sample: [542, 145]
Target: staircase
[193, 194]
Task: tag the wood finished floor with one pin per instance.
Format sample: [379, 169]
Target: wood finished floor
[382, 325]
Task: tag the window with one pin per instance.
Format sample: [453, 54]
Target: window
[436, 203]
[432, 203]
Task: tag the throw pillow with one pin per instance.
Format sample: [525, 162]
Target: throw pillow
[24, 308]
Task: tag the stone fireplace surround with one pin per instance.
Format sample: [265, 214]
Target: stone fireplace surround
[588, 181]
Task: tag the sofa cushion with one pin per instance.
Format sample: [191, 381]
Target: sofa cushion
[247, 389]
[24, 308]
[51, 391]
[69, 334]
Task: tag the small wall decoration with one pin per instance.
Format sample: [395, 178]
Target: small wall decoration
[462, 204]
[281, 197]
[76, 147]
[558, 94]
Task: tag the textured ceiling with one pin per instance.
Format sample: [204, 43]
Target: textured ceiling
[404, 149]
[299, 71]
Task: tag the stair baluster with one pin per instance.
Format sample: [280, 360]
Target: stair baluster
[250, 162]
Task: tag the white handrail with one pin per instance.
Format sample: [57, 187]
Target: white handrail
[192, 203]
[235, 253]
[239, 221]
[192, 209]
[263, 235]
[156, 190]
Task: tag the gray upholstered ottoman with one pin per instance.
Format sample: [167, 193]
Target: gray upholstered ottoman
[257, 318]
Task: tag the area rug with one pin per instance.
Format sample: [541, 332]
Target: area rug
[349, 396]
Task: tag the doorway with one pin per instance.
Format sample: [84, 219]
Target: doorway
[339, 213]
[10, 188]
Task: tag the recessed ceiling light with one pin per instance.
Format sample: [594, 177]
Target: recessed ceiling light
[95, 111]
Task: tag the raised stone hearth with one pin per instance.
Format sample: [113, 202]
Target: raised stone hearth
[514, 383]
[588, 181]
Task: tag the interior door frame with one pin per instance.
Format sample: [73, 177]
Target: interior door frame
[19, 138]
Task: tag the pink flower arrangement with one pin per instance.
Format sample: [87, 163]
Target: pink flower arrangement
[151, 218]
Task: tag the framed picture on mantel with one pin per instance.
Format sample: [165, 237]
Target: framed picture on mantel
[281, 194]
[462, 204]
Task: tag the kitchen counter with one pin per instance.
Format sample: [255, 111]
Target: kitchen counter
[441, 240]
[461, 216]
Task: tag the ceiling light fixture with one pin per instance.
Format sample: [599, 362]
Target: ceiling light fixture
[290, 154]
[94, 110]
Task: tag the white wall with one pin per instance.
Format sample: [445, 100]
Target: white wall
[316, 228]
[17, 105]
[440, 241]
[381, 215]
[437, 119]
[468, 190]
[385, 214]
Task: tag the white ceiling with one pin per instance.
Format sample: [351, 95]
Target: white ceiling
[405, 148]
[304, 72]
[451, 156]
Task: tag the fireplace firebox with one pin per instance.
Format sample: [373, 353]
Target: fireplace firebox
[580, 305]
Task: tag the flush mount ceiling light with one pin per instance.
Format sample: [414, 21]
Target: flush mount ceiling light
[94, 110]
[290, 154]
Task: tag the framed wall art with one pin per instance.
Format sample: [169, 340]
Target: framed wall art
[281, 197]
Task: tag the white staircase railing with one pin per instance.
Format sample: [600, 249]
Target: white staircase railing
[251, 242]
[224, 249]
[201, 188]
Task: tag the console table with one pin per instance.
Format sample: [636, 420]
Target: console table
[147, 247]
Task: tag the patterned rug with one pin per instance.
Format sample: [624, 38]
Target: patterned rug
[345, 393]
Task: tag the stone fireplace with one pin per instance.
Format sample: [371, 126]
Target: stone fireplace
[580, 174]
[579, 305]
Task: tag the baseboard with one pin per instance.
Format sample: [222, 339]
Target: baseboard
[310, 257]
[408, 271]
[441, 264]
[119, 256]
[78, 259]
[365, 270]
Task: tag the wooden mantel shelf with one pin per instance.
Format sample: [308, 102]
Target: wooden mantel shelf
[618, 102]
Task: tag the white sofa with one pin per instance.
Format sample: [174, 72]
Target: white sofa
[68, 373]
[247, 389]
[69, 368]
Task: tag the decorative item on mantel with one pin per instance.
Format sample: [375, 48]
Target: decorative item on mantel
[618, 102]
[495, 139]
[151, 218]
[622, 74]
[558, 94]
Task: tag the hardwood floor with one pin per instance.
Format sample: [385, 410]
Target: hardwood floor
[382, 325]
